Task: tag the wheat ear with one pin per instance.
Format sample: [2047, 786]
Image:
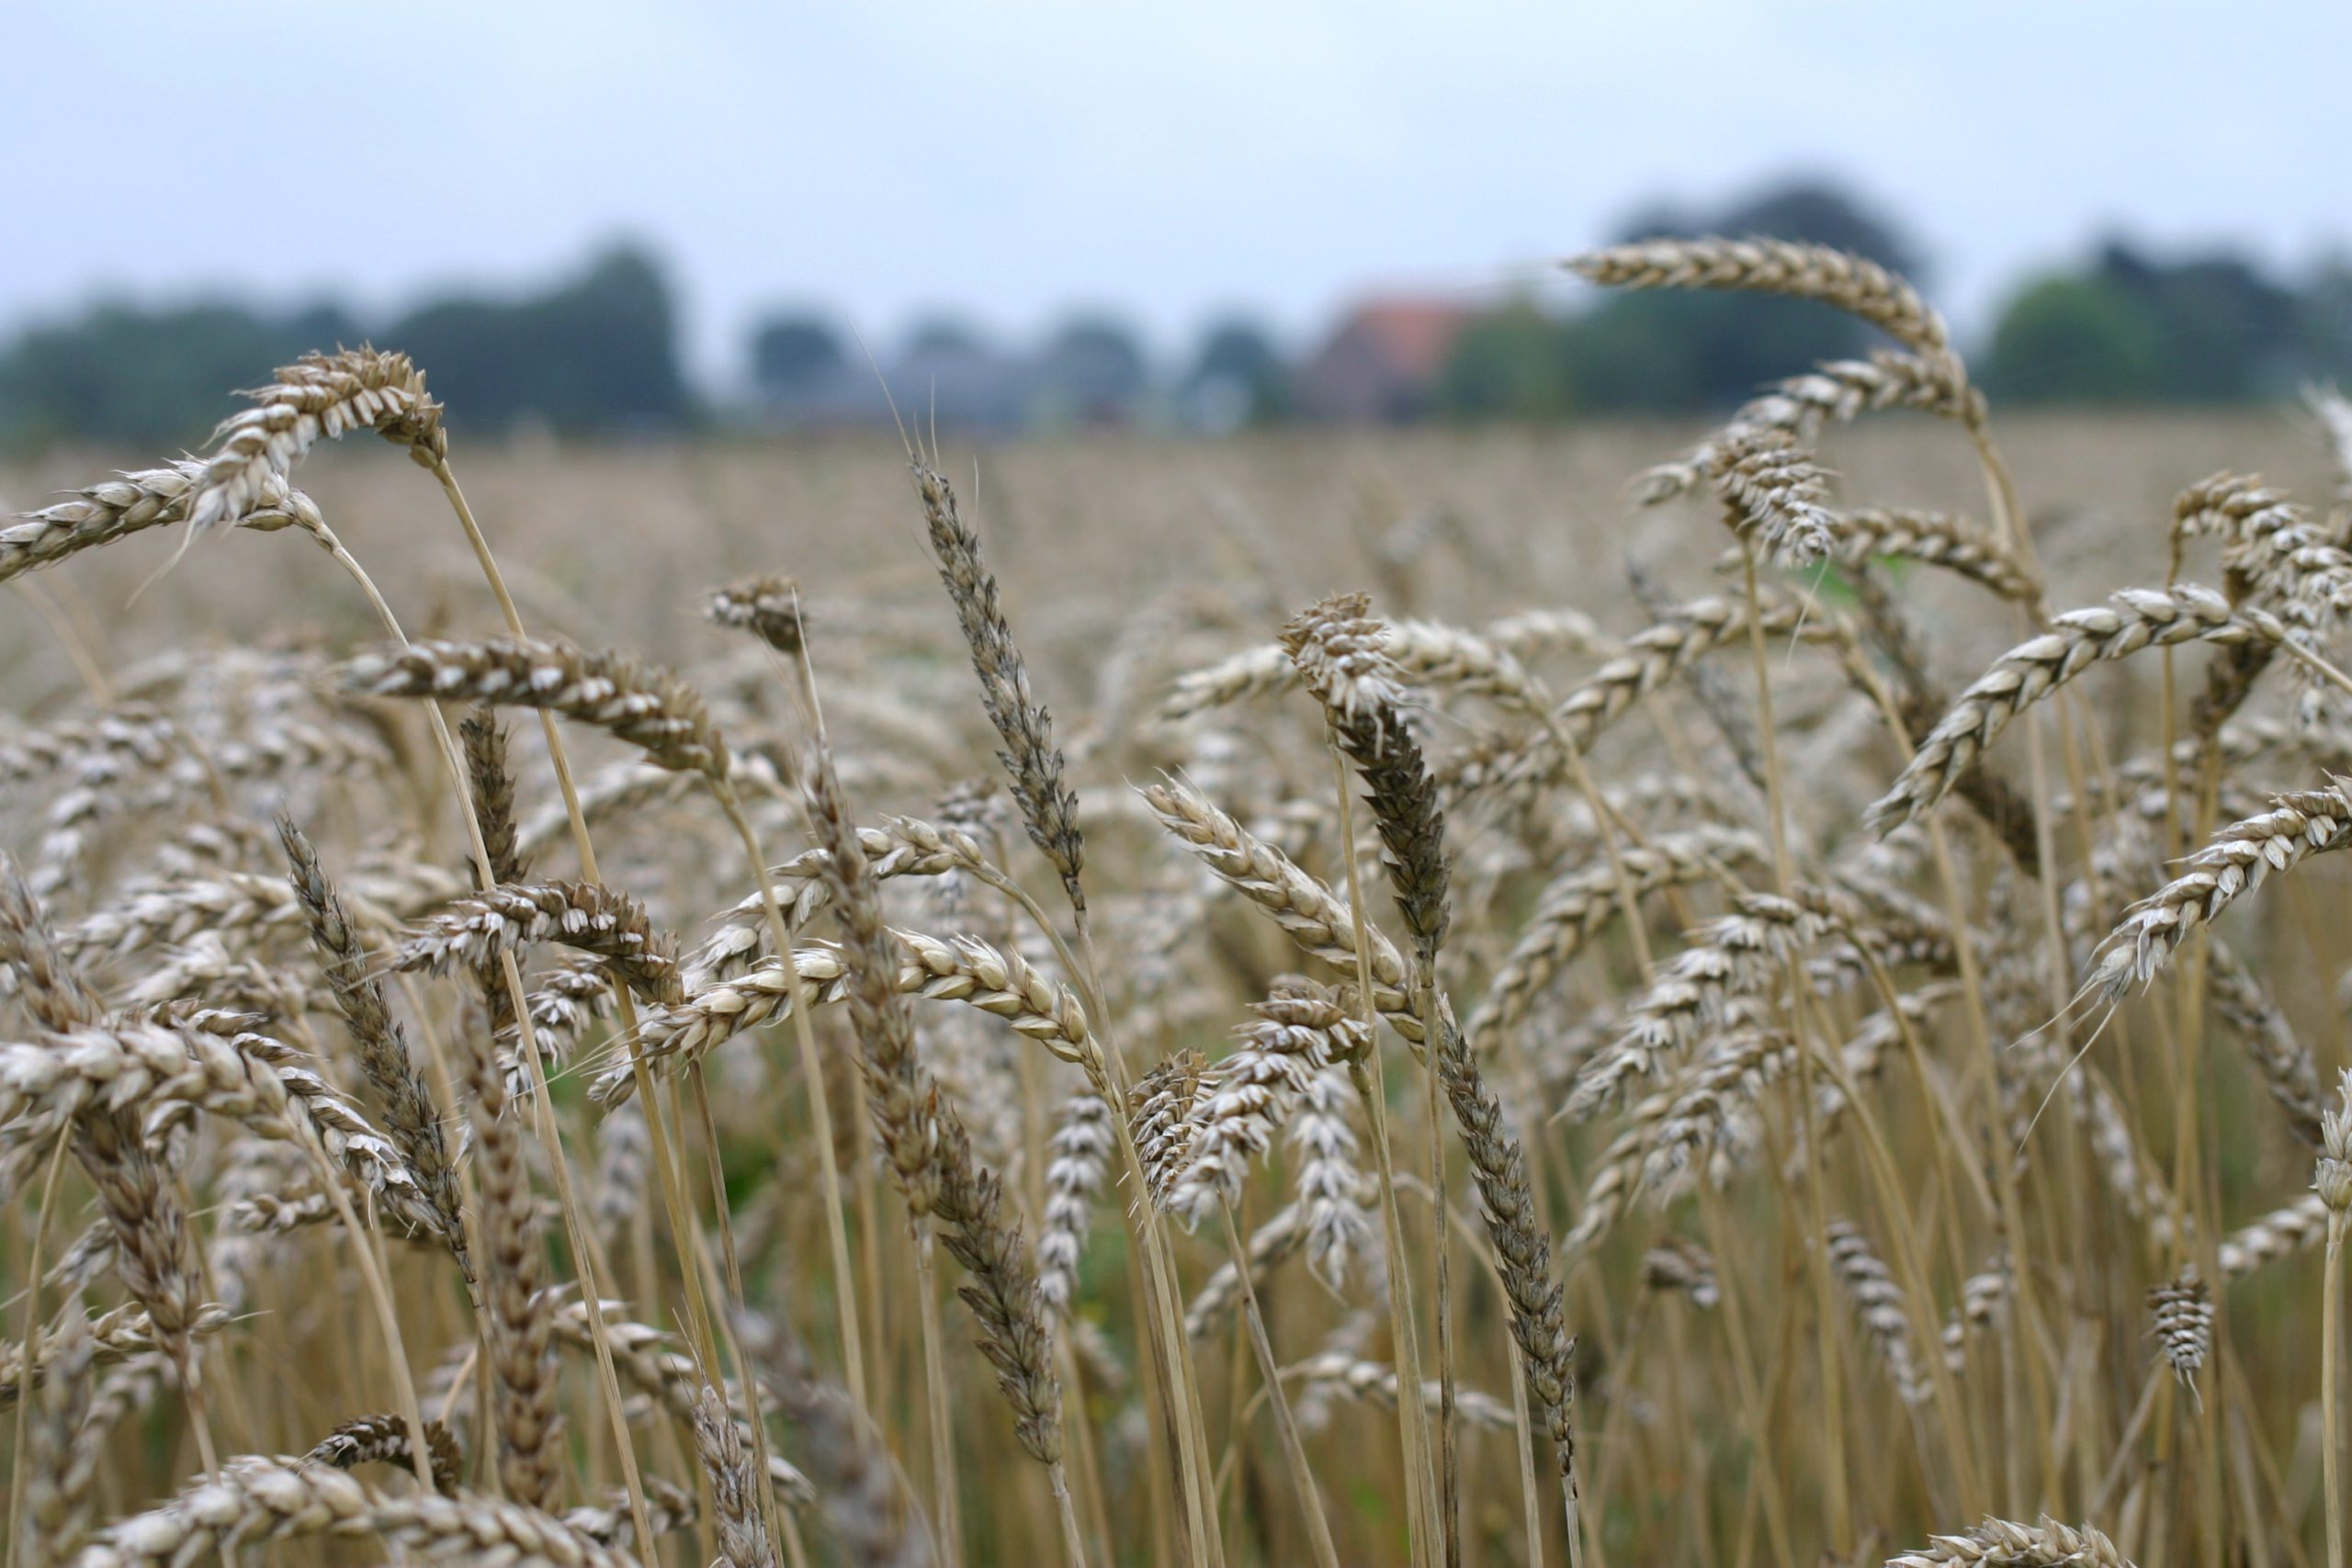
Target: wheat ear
[1853, 284]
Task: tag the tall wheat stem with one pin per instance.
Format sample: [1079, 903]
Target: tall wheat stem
[30, 1339]
[1310, 1501]
[2330, 1434]
[1411, 1423]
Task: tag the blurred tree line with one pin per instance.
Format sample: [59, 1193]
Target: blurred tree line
[2124, 328]
[598, 351]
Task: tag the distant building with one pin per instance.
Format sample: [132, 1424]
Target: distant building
[944, 374]
[1383, 363]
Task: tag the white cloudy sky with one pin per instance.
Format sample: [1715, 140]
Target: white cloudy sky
[1017, 158]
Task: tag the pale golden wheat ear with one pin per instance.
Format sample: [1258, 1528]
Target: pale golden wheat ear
[319, 396]
[647, 708]
[1853, 284]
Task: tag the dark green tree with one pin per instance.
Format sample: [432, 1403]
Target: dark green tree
[597, 352]
[156, 379]
[1512, 364]
[1676, 351]
[2074, 339]
[795, 354]
[2130, 328]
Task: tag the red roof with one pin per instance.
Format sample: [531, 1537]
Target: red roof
[1413, 335]
[1384, 360]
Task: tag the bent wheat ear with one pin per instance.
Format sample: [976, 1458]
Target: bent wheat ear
[649, 708]
[1853, 284]
[597, 920]
[2003, 1543]
[2129, 621]
[1316, 917]
[1431, 656]
[254, 1498]
[1833, 393]
[1649, 660]
[319, 395]
[132, 502]
[2240, 856]
[383, 1439]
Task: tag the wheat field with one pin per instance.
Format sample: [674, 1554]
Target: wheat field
[1628, 995]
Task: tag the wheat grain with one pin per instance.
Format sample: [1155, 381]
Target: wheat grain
[1679, 1264]
[1334, 1191]
[1299, 1031]
[403, 1097]
[2182, 1314]
[767, 607]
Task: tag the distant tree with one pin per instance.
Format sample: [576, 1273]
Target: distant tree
[1512, 364]
[157, 378]
[794, 355]
[596, 353]
[2226, 331]
[1676, 351]
[2071, 339]
[2323, 322]
[944, 337]
[1817, 211]
[1092, 371]
[1238, 378]
[2131, 328]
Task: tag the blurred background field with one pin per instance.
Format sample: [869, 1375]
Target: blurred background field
[614, 542]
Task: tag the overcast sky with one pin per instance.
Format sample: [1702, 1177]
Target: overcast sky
[1013, 160]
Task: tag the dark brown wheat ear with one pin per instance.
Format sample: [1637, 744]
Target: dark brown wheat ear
[923, 1143]
[1048, 807]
